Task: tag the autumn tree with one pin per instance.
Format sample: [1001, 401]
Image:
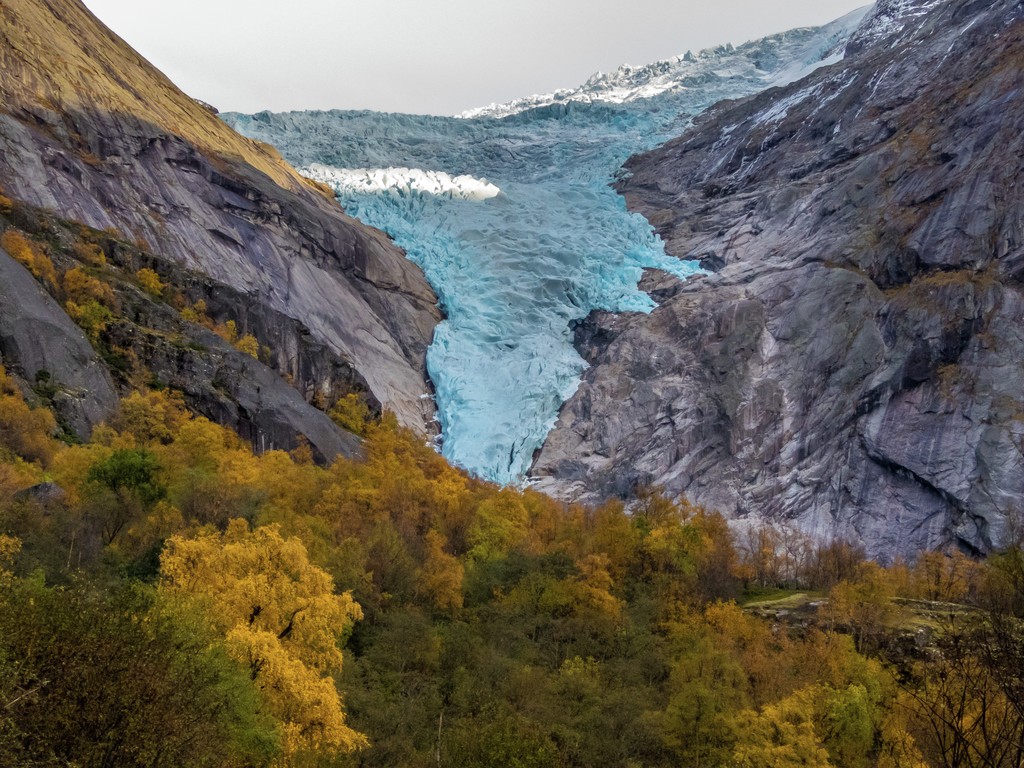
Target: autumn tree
[282, 618]
[781, 735]
[80, 287]
[948, 577]
[24, 431]
[863, 605]
[150, 282]
[441, 576]
[30, 254]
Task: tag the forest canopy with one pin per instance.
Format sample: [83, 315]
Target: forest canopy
[168, 597]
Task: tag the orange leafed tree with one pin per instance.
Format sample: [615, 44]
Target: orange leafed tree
[281, 616]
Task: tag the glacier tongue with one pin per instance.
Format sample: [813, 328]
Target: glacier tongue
[515, 225]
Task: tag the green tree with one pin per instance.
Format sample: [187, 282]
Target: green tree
[123, 678]
[128, 485]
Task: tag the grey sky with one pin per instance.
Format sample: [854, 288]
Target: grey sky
[425, 56]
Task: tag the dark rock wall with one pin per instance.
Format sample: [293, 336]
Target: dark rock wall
[855, 362]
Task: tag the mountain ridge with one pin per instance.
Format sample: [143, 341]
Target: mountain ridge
[847, 365]
[632, 83]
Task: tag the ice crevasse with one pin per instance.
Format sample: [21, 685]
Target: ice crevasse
[511, 216]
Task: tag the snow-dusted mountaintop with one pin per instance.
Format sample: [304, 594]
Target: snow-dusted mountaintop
[888, 19]
[761, 58]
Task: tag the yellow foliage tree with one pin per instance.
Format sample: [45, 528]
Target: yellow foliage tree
[441, 575]
[91, 316]
[153, 416]
[352, 413]
[248, 345]
[864, 604]
[781, 735]
[197, 314]
[499, 525]
[26, 432]
[948, 577]
[227, 331]
[150, 282]
[90, 253]
[280, 616]
[80, 288]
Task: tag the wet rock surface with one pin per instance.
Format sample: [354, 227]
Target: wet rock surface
[854, 362]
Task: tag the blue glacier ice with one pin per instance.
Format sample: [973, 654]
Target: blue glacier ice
[509, 212]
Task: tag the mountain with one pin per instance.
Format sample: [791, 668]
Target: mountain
[516, 226]
[91, 133]
[777, 60]
[851, 363]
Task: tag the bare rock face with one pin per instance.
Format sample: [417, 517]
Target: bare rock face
[854, 361]
[92, 132]
[39, 341]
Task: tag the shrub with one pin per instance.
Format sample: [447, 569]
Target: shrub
[150, 282]
[90, 253]
[81, 288]
[92, 317]
[351, 413]
[248, 345]
[197, 314]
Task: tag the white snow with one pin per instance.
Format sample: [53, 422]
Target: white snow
[890, 18]
[368, 181]
[800, 55]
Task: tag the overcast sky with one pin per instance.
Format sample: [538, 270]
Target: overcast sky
[425, 56]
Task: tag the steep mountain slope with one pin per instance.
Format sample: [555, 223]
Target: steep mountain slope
[853, 364]
[92, 132]
[544, 240]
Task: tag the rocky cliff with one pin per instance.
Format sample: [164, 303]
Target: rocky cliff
[852, 362]
[93, 133]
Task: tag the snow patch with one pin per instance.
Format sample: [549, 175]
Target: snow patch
[369, 181]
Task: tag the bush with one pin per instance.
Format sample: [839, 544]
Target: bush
[248, 345]
[125, 679]
[352, 413]
[81, 288]
[150, 282]
[92, 317]
[25, 431]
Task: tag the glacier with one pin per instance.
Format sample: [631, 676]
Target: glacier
[510, 213]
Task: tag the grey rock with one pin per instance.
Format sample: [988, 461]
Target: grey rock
[37, 337]
[224, 384]
[93, 133]
[44, 494]
[854, 362]
[294, 254]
